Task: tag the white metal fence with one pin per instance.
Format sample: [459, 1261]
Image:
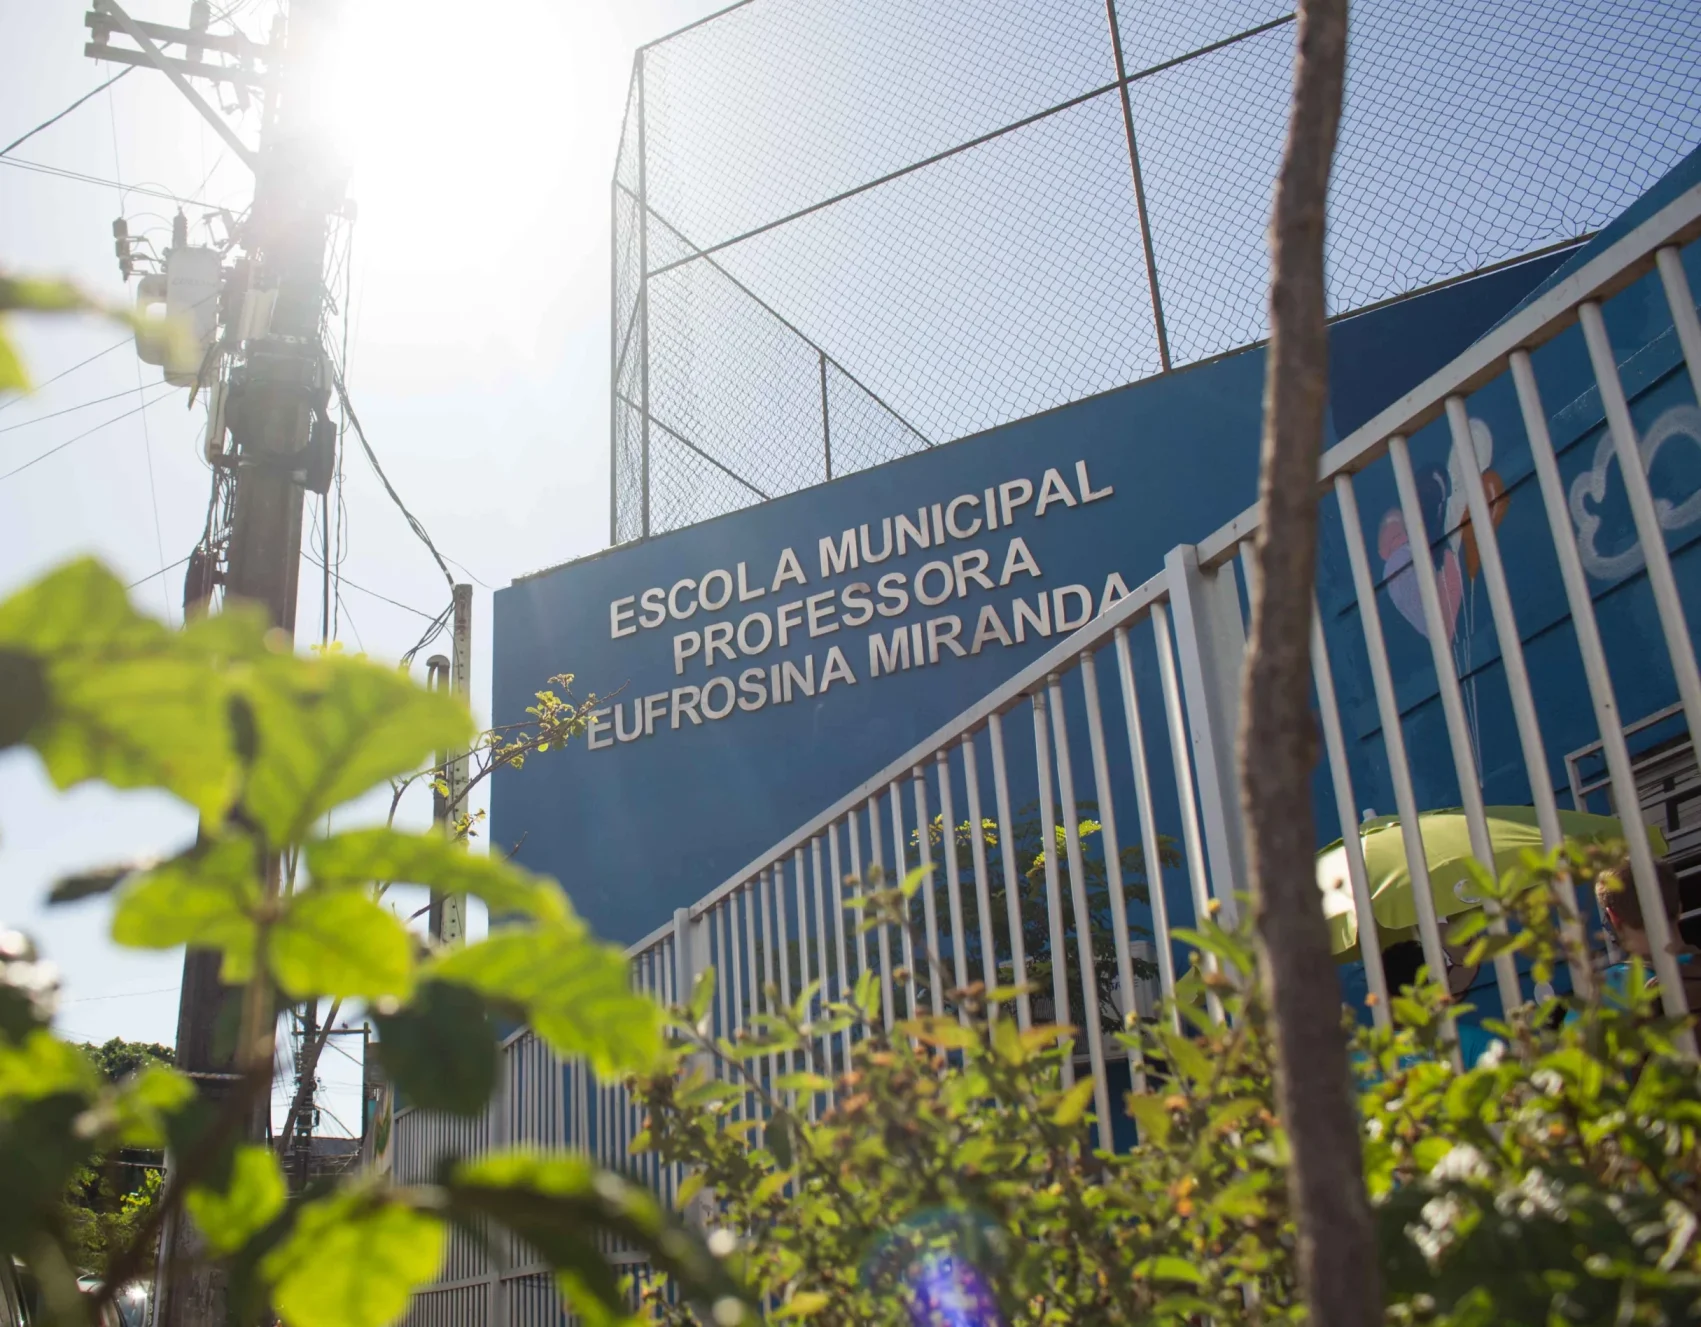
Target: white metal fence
[1122, 735]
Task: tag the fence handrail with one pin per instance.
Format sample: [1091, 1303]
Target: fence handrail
[1090, 636]
[1620, 264]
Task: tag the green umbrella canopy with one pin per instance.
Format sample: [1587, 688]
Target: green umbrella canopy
[1447, 848]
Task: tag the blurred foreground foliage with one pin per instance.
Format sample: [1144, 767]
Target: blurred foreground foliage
[946, 1171]
[265, 744]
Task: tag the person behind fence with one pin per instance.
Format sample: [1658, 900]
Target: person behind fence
[1621, 905]
[1403, 963]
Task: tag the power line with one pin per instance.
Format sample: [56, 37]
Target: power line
[432, 632]
[96, 429]
[173, 567]
[71, 409]
[119, 995]
[16, 142]
[386, 598]
[61, 172]
[412, 520]
[79, 364]
[471, 574]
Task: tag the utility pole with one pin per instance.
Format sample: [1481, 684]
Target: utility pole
[281, 438]
[448, 915]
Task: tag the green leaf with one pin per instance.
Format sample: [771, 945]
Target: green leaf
[1242, 1198]
[940, 1031]
[13, 376]
[1230, 1113]
[131, 702]
[1187, 1057]
[702, 994]
[43, 1066]
[251, 1201]
[353, 1260]
[594, 1289]
[340, 942]
[802, 1083]
[142, 1109]
[776, 1137]
[1072, 1105]
[769, 1188]
[205, 897]
[364, 856]
[23, 691]
[704, 1091]
[801, 1305]
[89, 884]
[689, 1188]
[576, 992]
[913, 880]
[41, 295]
[1167, 1267]
[866, 997]
[1152, 1116]
[440, 1049]
[328, 729]
[1214, 940]
[557, 1203]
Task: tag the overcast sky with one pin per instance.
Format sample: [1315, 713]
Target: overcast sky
[483, 140]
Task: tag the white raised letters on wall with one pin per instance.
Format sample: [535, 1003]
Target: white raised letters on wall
[951, 577]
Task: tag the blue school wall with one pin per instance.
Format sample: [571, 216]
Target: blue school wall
[1668, 423]
[708, 748]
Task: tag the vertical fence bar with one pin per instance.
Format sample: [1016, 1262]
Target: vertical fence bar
[841, 951]
[887, 1012]
[1684, 320]
[747, 1019]
[1210, 643]
[782, 938]
[1085, 958]
[1012, 877]
[1393, 736]
[1679, 644]
[614, 336]
[803, 971]
[826, 424]
[1151, 850]
[1452, 700]
[1192, 842]
[1112, 850]
[773, 884]
[1059, 952]
[953, 886]
[977, 852]
[1340, 774]
[723, 971]
[800, 879]
[1139, 186]
[929, 904]
[900, 857]
[822, 968]
[1614, 748]
[644, 302]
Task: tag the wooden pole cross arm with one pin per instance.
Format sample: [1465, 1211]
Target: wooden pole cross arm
[166, 66]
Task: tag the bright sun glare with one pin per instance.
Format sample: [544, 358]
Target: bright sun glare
[457, 115]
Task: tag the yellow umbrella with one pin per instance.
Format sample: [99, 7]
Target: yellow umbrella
[1447, 848]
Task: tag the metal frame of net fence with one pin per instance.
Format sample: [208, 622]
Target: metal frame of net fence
[844, 233]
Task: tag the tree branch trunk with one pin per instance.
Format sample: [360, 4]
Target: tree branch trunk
[1337, 1255]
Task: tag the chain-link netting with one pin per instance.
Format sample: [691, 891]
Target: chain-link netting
[873, 228]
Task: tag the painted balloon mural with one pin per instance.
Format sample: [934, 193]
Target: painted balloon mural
[1441, 495]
